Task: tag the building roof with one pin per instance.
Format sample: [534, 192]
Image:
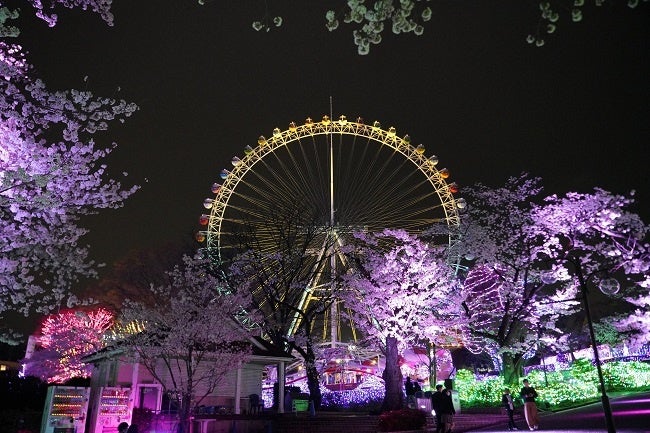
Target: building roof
[263, 352]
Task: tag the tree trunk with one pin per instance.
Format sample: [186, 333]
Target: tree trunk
[432, 354]
[313, 378]
[308, 355]
[392, 375]
[511, 369]
[184, 415]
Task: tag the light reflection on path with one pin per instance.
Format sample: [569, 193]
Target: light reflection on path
[572, 430]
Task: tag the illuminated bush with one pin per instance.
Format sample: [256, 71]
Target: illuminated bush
[576, 384]
[569, 391]
[626, 375]
[582, 369]
[472, 392]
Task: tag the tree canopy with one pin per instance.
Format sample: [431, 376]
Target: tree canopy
[190, 338]
[526, 253]
[63, 340]
[51, 174]
[371, 19]
[399, 291]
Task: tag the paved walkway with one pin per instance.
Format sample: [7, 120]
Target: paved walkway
[331, 422]
[476, 421]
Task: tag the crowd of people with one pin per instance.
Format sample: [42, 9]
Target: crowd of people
[443, 407]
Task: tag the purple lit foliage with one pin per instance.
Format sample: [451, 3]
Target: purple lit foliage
[521, 249]
[636, 325]
[599, 231]
[400, 290]
[503, 287]
[189, 340]
[46, 186]
[45, 8]
[598, 228]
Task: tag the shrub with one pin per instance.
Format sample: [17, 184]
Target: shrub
[578, 383]
[401, 420]
[622, 376]
[472, 392]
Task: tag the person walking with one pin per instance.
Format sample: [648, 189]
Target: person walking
[528, 394]
[436, 405]
[508, 404]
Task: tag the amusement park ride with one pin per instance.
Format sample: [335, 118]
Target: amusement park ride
[354, 176]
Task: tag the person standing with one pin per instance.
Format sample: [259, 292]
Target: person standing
[122, 427]
[410, 393]
[447, 411]
[417, 389]
[508, 404]
[436, 405]
[528, 394]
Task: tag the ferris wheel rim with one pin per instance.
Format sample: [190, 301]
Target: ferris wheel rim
[384, 137]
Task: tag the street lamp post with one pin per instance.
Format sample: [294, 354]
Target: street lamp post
[607, 408]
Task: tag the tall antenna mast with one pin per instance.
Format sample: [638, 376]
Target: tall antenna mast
[334, 312]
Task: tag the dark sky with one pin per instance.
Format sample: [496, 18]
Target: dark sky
[574, 112]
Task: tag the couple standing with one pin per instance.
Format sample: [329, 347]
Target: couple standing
[443, 406]
[528, 395]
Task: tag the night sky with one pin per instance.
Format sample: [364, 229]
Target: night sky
[574, 112]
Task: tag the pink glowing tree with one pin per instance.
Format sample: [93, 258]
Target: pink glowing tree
[63, 340]
[190, 338]
[524, 253]
[51, 174]
[400, 291]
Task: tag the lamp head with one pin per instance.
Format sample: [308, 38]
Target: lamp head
[609, 286]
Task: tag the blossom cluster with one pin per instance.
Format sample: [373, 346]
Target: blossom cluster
[51, 174]
[403, 16]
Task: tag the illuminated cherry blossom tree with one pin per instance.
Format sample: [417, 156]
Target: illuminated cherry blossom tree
[597, 227]
[511, 315]
[524, 254]
[63, 340]
[601, 235]
[51, 174]
[190, 338]
[400, 291]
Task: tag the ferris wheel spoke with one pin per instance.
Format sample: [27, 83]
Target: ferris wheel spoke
[328, 178]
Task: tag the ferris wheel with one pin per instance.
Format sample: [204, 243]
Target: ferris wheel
[350, 175]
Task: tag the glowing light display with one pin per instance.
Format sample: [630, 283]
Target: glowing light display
[65, 338]
[574, 383]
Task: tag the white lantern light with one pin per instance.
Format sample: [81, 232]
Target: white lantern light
[609, 286]
[548, 277]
